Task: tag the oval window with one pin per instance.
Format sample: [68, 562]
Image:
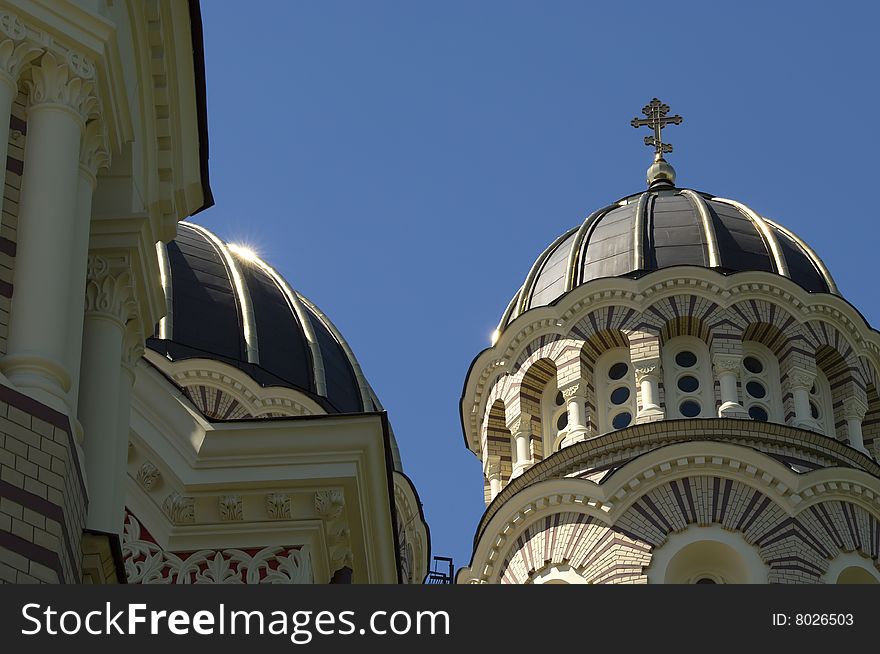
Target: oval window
[686, 359]
[619, 395]
[689, 409]
[622, 420]
[618, 370]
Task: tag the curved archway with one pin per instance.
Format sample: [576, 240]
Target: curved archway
[706, 555]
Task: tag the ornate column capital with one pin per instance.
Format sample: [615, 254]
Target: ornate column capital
[65, 83]
[521, 424]
[854, 409]
[329, 505]
[493, 466]
[726, 363]
[647, 368]
[13, 58]
[801, 378]
[132, 346]
[93, 154]
[576, 389]
[108, 292]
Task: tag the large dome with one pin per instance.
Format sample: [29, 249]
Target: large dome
[664, 227]
[226, 304]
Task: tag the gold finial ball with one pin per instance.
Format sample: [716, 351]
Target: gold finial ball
[661, 173]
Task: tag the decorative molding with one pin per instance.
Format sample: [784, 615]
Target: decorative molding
[132, 344]
[93, 155]
[522, 424]
[725, 363]
[148, 476]
[329, 503]
[147, 563]
[12, 26]
[179, 509]
[231, 508]
[14, 57]
[62, 84]
[854, 409]
[646, 368]
[109, 293]
[801, 378]
[278, 506]
[570, 392]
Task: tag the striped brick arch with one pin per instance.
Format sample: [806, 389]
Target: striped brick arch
[600, 554]
[797, 549]
[214, 403]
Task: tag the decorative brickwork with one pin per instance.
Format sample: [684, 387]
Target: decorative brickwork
[42, 496]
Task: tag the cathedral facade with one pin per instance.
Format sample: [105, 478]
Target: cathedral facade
[677, 393]
[172, 410]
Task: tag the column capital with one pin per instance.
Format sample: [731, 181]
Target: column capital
[492, 467]
[801, 378]
[647, 368]
[726, 363]
[65, 83]
[521, 424]
[132, 345]
[93, 154]
[574, 389]
[14, 56]
[109, 290]
[854, 409]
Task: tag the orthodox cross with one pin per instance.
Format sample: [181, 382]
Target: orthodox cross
[656, 119]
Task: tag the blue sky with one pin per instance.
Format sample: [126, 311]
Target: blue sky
[402, 164]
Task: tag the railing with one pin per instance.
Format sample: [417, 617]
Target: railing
[441, 571]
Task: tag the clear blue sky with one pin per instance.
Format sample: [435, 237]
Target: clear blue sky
[403, 163]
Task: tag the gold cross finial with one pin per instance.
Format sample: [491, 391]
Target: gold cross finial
[656, 119]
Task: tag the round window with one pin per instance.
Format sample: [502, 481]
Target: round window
[562, 421]
[758, 413]
[689, 409]
[686, 359]
[756, 389]
[688, 384]
[619, 395]
[559, 399]
[618, 370]
[622, 420]
[814, 411]
[753, 365]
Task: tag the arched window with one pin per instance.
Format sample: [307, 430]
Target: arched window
[821, 408]
[762, 392]
[688, 378]
[615, 383]
[554, 417]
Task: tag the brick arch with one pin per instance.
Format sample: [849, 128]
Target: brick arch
[822, 333]
[599, 553]
[497, 440]
[684, 315]
[215, 403]
[871, 423]
[797, 548]
[534, 381]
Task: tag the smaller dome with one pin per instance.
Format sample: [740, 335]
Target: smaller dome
[227, 304]
[661, 228]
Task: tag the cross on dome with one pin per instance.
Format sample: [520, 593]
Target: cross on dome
[660, 172]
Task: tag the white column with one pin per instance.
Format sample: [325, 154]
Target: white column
[493, 474]
[854, 411]
[132, 349]
[37, 360]
[727, 367]
[648, 379]
[15, 54]
[575, 396]
[521, 430]
[800, 381]
[93, 157]
[109, 305]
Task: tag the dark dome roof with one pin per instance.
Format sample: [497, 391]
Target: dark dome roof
[226, 304]
[661, 228]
